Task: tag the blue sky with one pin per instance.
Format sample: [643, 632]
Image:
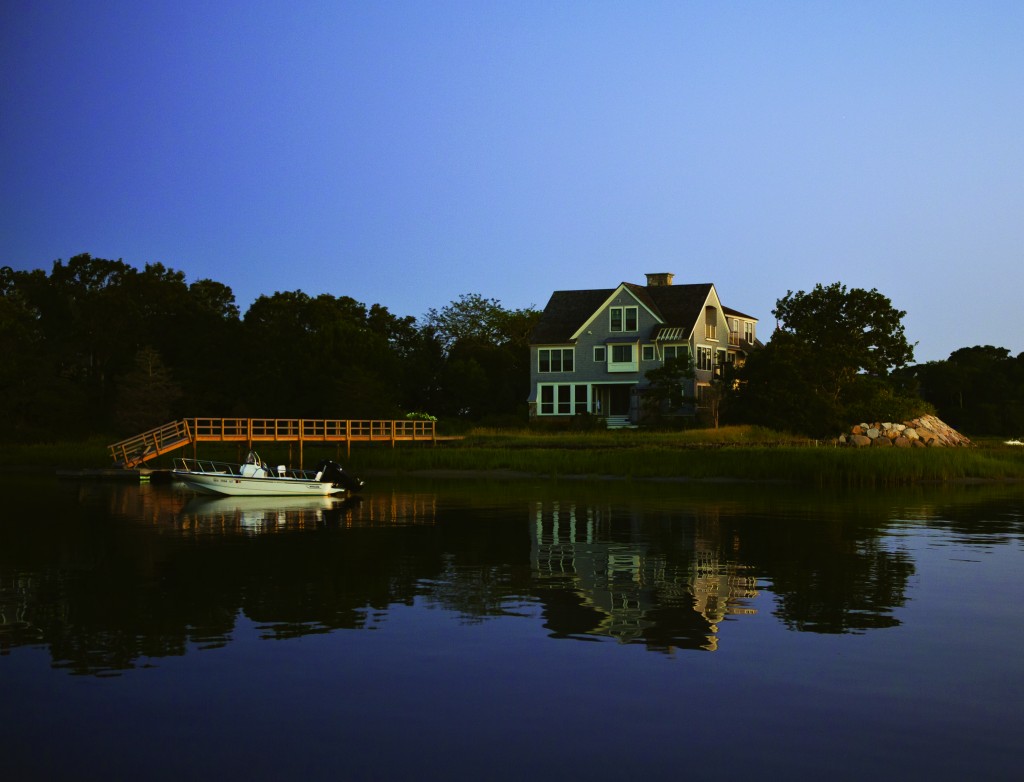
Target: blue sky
[405, 153]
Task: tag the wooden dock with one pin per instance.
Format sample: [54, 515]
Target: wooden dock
[141, 448]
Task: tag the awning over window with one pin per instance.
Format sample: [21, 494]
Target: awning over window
[669, 334]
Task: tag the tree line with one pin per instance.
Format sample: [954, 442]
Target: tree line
[840, 356]
[96, 346]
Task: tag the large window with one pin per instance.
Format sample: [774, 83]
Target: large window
[562, 399]
[555, 360]
[622, 319]
[704, 360]
[748, 331]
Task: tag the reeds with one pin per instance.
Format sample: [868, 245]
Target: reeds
[639, 457]
[727, 454]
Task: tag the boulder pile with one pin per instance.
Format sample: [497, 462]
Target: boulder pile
[924, 432]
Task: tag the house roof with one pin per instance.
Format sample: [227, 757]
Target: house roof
[736, 313]
[677, 306]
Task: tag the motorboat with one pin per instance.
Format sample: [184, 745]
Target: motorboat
[253, 478]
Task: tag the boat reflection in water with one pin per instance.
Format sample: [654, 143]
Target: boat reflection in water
[256, 515]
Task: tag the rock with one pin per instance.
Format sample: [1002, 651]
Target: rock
[926, 430]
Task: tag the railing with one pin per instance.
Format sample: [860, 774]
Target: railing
[141, 448]
[148, 445]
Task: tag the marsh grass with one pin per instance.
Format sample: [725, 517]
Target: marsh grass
[744, 455]
[726, 454]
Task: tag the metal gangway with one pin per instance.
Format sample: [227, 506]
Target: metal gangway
[138, 450]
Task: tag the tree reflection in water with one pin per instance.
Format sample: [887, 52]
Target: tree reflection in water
[112, 577]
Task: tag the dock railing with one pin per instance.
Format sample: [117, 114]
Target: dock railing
[189, 431]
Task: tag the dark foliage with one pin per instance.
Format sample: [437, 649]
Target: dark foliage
[977, 390]
[98, 346]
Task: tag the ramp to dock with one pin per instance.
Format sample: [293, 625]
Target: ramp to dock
[137, 450]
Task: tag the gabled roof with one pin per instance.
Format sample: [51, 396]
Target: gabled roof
[676, 306]
[638, 294]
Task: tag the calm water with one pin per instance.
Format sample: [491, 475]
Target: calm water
[515, 630]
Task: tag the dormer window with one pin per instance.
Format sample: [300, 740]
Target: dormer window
[622, 319]
[710, 323]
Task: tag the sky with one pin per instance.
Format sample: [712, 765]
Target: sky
[407, 153]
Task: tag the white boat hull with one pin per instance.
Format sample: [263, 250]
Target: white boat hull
[241, 486]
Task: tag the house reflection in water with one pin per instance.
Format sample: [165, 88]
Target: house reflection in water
[599, 573]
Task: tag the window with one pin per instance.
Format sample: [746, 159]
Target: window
[704, 360]
[547, 400]
[676, 351]
[623, 358]
[647, 353]
[599, 354]
[555, 360]
[748, 331]
[710, 323]
[562, 399]
[622, 319]
[720, 358]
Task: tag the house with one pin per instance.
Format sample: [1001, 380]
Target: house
[591, 348]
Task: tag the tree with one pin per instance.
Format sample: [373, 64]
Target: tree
[979, 389]
[666, 393]
[471, 318]
[146, 395]
[829, 360]
[485, 356]
[848, 332]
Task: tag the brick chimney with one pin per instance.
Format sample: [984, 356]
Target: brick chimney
[659, 279]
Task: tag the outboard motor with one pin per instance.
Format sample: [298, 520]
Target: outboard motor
[333, 473]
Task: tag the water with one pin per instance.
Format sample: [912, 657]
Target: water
[511, 630]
